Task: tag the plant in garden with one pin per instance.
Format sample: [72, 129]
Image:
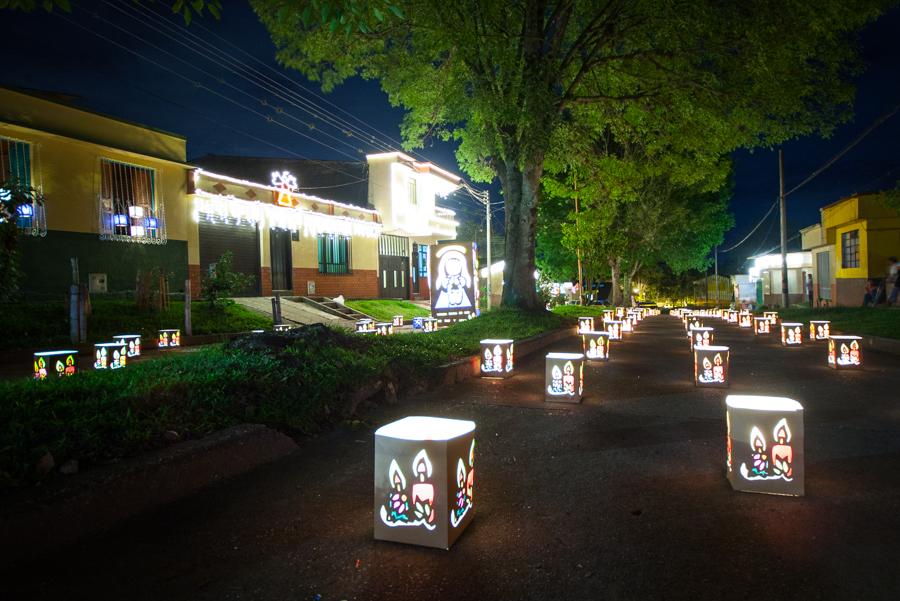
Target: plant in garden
[14, 196]
[223, 281]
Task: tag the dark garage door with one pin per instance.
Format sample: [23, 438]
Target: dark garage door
[242, 240]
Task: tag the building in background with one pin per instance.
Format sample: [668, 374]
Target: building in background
[767, 269]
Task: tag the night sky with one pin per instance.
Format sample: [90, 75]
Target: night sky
[55, 54]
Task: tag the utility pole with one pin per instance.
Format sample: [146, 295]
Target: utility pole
[716, 253]
[487, 215]
[784, 272]
[578, 250]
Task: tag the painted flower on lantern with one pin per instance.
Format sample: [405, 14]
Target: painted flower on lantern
[419, 501]
[782, 459]
[465, 484]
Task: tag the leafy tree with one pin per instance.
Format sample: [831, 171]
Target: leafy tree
[504, 77]
[223, 281]
[13, 196]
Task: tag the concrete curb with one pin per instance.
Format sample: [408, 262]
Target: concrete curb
[882, 345]
[94, 501]
[470, 366]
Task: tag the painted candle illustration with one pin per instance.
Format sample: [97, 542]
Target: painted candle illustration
[465, 484]
[416, 506]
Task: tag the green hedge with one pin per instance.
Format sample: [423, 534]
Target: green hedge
[296, 382]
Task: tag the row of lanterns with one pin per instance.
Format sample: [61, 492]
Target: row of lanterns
[369, 326]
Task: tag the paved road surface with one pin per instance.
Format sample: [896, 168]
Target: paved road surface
[621, 497]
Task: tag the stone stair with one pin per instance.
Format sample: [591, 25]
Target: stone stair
[327, 305]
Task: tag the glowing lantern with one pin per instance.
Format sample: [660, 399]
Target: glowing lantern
[384, 329]
[365, 325]
[497, 360]
[620, 312]
[791, 333]
[762, 325]
[613, 328]
[424, 479]
[585, 324]
[692, 321]
[772, 316]
[627, 324]
[397, 321]
[702, 336]
[282, 327]
[732, 316]
[845, 352]
[607, 314]
[764, 444]
[132, 342]
[564, 377]
[596, 345]
[429, 324]
[257, 331]
[745, 320]
[110, 355]
[418, 323]
[711, 366]
[61, 363]
[169, 338]
[819, 330]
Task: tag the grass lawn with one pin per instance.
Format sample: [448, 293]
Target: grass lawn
[878, 321]
[45, 324]
[297, 382]
[575, 311]
[384, 310]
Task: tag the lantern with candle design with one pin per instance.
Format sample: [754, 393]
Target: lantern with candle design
[132, 342]
[745, 320]
[397, 321]
[429, 324]
[424, 480]
[762, 325]
[627, 324]
[607, 314]
[281, 327]
[732, 316]
[845, 352]
[819, 330]
[564, 377]
[693, 321]
[764, 444]
[620, 312]
[497, 358]
[791, 333]
[169, 338]
[772, 316]
[585, 324]
[596, 345]
[614, 329]
[110, 355]
[702, 336]
[384, 328]
[711, 366]
[48, 363]
[365, 325]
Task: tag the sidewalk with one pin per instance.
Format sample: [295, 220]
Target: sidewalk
[621, 497]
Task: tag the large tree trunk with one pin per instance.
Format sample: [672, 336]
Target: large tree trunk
[522, 189]
[615, 299]
[627, 281]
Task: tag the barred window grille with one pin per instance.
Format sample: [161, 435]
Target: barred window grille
[130, 210]
[334, 253]
[393, 246]
[16, 169]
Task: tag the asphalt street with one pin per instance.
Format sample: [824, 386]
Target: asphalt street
[623, 496]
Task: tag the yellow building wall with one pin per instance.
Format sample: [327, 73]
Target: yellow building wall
[851, 272]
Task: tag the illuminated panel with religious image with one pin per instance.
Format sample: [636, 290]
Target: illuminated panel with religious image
[819, 330]
[596, 345]
[585, 324]
[845, 352]
[497, 360]
[110, 355]
[702, 336]
[764, 444]
[54, 363]
[564, 377]
[424, 480]
[791, 333]
[711, 366]
[454, 281]
[762, 325]
[772, 316]
[613, 328]
[169, 338]
[132, 342]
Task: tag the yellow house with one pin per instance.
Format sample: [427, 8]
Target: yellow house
[851, 245]
[114, 195]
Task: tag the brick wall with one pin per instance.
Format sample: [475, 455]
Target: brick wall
[849, 292]
[196, 284]
[424, 292]
[362, 283]
[265, 281]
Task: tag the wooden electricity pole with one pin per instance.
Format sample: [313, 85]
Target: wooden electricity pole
[784, 272]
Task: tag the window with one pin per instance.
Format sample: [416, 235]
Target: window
[15, 167]
[411, 193]
[423, 261]
[850, 249]
[334, 253]
[129, 209]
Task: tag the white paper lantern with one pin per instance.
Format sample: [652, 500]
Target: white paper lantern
[845, 352]
[791, 333]
[169, 338]
[564, 377]
[497, 358]
[762, 325]
[596, 345]
[110, 355]
[58, 363]
[711, 364]
[819, 330]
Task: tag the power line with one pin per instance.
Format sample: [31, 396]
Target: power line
[756, 227]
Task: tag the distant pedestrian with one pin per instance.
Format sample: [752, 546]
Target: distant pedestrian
[809, 288]
[893, 279]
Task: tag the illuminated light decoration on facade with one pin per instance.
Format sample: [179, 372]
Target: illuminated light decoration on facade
[596, 345]
[384, 328]
[845, 352]
[287, 186]
[497, 358]
[110, 355]
[132, 342]
[585, 324]
[454, 281]
[745, 320]
[711, 365]
[613, 328]
[772, 316]
[424, 480]
[765, 442]
[397, 321]
[819, 330]
[702, 336]
[281, 327]
[365, 325]
[564, 377]
[762, 325]
[169, 338]
[58, 363]
[732, 316]
[791, 334]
